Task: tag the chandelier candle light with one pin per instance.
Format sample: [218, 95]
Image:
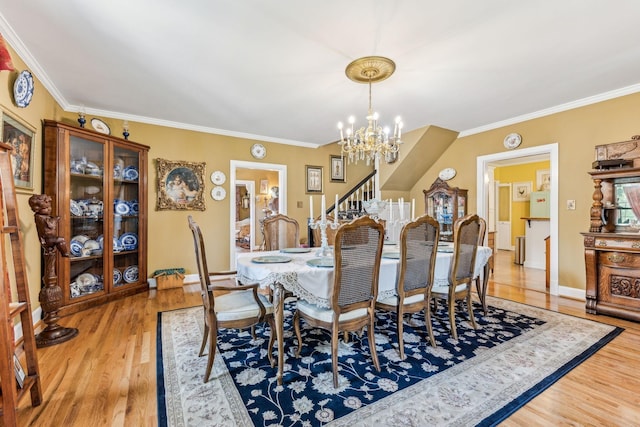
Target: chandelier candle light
[370, 142]
[324, 250]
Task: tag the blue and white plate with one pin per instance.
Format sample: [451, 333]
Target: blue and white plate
[117, 276]
[130, 274]
[130, 173]
[129, 241]
[23, 89]
[133, 205]
[117, 247]
[76, 247]
[75, 208]
[122, 208]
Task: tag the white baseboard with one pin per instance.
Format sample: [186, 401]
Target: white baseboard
[579, 294]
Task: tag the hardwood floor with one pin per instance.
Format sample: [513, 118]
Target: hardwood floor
[107, 375]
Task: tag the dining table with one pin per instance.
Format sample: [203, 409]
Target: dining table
[306, 275]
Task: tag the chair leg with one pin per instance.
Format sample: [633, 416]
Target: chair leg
[400, 331]
[372, 342]
[213, 342]
[272, 339]
[470, 310]
[452, 318]
[427, 321]
[205, 336]
[296, 327]
[335, 334]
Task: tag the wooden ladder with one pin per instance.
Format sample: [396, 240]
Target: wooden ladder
[12, 307]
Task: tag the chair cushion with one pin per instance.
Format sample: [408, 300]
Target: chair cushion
[240, 305]
[326, 314]
[440, 289]
[393, 300]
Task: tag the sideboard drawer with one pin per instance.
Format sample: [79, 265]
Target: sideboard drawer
[619, 259]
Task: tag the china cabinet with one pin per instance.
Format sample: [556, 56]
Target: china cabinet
[98, 185]
[446, 204]
[612, 245]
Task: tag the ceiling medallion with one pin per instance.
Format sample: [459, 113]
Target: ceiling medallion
[370, 142]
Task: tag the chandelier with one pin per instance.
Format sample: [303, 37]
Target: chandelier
[370, 142]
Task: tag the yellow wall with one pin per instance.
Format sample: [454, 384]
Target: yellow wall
[519, 173]
[576, 132]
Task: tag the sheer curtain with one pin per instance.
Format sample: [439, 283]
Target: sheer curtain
[632, 191]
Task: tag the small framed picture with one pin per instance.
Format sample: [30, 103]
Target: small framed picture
[338, 172]
[521, 191]
[314, 179]
[264, 186]
[543, 180]
[20, 137]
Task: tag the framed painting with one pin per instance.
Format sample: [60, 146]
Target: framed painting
[521, 191]
[180, 185]
[543, 180]
[21, 138]
[338, 172]
[264, 186]
[313, 179]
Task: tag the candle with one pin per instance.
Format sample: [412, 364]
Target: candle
[311, 207]
[413, 209]
[335, 211]
[324, 211]
[401, 207]
[390, 210]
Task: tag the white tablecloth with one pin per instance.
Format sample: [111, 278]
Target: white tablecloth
[312, 283]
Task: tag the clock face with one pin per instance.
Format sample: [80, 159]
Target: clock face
[513, 140]
[446, 174]
[258, 151]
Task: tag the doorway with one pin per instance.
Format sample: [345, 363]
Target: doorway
[483, 165]
[233, 181]
[503, 240]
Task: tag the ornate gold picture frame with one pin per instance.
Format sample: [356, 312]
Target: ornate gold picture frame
[180, 185]
[21, 137]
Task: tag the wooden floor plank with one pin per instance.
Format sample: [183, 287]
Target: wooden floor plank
[107, 375]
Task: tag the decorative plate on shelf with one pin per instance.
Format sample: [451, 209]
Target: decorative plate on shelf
[117, 276]
[258, 151]
[76, 209]
[218, 193]
[100, 126]
[23, 89]
[129, 241]
[218, 177]
[122, 208]
[130, 274]
[76, 247]
[130, 173]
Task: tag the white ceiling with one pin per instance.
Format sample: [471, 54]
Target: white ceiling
[274, 70]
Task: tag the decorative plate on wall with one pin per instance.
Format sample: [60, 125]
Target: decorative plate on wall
[218, 193]
[513, 140]
[218, 177]
[100, 126]
[447, 173]
[23, 89]
[258, 151]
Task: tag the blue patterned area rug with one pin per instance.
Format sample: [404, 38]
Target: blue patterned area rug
[516, 353]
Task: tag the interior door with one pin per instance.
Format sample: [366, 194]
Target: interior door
[503, 233]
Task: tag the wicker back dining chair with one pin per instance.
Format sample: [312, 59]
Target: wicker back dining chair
[227, 305]
[414, 280]
[461, 273]
[280, 232]
[357, 252]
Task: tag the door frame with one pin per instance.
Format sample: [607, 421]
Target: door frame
[482, 166]
[282, 198]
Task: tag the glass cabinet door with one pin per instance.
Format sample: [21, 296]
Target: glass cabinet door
[86, 200]
[126, 196]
